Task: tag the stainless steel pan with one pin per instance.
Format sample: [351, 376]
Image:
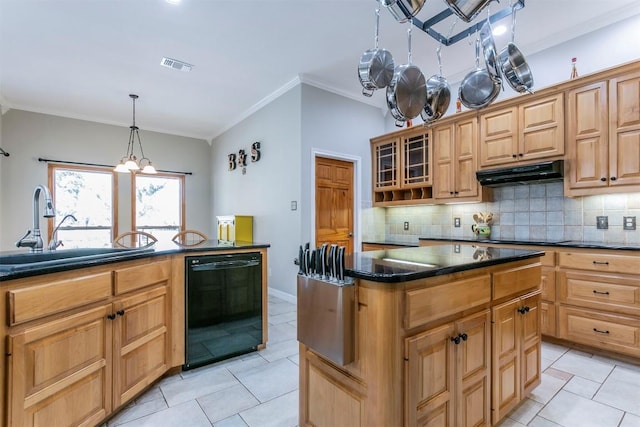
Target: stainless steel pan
[438, 95]
[513, 64]
[467, 10]
[403, 10]
[478, 89]
[406, 94]
[489, 50]
[375, 69]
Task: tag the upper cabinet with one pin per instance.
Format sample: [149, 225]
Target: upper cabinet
[402, 169]
[455, 161]
[527, 131]
[603, 136]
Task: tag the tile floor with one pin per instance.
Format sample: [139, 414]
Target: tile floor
[261, 389]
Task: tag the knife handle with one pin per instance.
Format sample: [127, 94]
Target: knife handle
[323, 260]
[333, 249]
[340, 263]
[312, 262]
[300, 260]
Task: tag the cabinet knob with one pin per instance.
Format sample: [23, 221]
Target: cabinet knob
[523, 310]
[613, 178]
[463, 336]
[455, 340]
[120, 312]
[514, 156]
[603, 179]
[521, 155]
[111, 316]
[451, 192]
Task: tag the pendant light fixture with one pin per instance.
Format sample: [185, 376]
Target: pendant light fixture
[129, 163]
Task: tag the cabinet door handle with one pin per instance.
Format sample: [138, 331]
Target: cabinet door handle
[523, 310]
[521, 155]
[463, 336]
[600, 293]
[455, 340]
[601, 262]
[514, 156]
[600, 332]
[120, 312]
[603, 179]
[613, 178]
[111, 316]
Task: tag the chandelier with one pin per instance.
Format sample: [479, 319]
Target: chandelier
[130, 163]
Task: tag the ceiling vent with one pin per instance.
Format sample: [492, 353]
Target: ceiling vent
[175, 64]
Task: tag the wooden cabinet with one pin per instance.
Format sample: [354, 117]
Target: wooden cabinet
[402, 169]
[516, 352]
[77, 357]
[527, 131]
[61, 370]
[603, 136]
[456, 160]
[448, 374]
[599, 295]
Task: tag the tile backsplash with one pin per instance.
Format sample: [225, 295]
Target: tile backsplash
[521, 212]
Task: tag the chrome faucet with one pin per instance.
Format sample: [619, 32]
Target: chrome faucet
[54, 242]
[32, 238]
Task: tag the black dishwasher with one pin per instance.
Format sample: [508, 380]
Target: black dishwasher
[223, 307]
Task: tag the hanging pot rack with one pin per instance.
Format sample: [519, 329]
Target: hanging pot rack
[427, 26]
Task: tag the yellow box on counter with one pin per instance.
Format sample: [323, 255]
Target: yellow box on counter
[235, 228]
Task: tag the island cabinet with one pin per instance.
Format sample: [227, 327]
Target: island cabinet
[531, 130]
[402, 167]
[423, 351]
[456, 161]
[603, 145]
[82, 343]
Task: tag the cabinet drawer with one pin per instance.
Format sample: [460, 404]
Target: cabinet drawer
[617, 293]
[605, 263]
[437, 302]
[39, 301]
[608, 331]
[140, 276]
[516, 280]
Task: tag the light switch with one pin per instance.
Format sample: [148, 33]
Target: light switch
[602, 222]
[294, 205]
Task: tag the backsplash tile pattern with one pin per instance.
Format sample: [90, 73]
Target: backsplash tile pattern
[522, 212]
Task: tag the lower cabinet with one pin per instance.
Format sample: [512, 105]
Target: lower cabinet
[516, 352]
[61, 370]
[448, 374]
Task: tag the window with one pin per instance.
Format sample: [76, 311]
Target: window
[87, 194]
[159, 204]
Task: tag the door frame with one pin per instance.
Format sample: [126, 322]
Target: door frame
[357, 191]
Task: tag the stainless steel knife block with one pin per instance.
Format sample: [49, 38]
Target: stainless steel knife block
[326, 318]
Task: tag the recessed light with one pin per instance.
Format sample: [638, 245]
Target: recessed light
[173, 1]
[499, 30]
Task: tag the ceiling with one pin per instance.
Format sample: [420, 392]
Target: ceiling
[82, 58]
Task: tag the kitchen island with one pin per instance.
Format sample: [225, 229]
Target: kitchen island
[84, 335]
[441, 336]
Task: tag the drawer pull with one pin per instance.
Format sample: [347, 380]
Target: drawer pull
[600, 332]
[600, 263]
[600, 293]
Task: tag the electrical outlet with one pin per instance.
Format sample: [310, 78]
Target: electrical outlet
[406, 225]
[602, 222]
[629, 223]
[456, 249]
[456, 222]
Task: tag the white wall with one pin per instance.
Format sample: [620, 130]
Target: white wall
[269, 186]
[28, 136]
[2, 161]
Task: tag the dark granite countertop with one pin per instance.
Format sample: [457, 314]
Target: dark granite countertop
[402, 265]
[158, 249]
[561, 243]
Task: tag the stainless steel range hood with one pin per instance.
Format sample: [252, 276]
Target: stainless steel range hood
[525, 174]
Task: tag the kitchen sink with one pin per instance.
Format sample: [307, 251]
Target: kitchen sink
[31, 261]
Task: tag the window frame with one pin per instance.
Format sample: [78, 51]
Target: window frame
[51, 169]
[181, 183]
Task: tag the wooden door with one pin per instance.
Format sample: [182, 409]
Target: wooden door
[444, 180]
[624, 139]
[61, 370]
[334, 202]
[541, 128]
[430, 378]
[140, 342]
[531, 341]
[506, 359]
[473, 365]
[466, 148]
[587, 122]
[499, 137]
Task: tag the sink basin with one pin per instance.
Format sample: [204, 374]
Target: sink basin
[31, 261]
